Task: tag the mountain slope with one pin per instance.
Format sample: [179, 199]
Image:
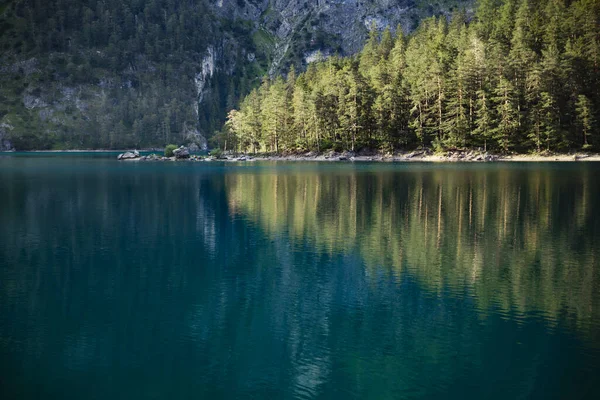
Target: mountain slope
[136, 73]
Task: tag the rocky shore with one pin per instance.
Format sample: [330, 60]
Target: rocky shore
[424, 155]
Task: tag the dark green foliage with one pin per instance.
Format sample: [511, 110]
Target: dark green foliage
[216, 153]
[523, 75]
[169, 150]
[115, 73]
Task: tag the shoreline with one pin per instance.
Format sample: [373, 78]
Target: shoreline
[409, 157]
[77, 151]
[331, 156]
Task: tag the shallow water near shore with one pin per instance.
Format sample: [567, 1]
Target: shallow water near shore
[298, 279]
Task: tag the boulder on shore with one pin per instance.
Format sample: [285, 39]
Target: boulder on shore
[151, 157]
[128, 155]
[181, 153]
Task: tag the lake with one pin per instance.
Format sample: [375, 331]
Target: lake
[142, 280]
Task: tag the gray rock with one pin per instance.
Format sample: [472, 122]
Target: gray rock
[26, 67]
[414, 154]
[5, 144]
[129, 155]
[331, 154]
[194, 148]
[195, 140]
[30, 102]
[181, 153]
[126, 156]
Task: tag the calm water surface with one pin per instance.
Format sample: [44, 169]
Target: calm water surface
[298, 280]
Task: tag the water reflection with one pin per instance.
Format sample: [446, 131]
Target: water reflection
[304, 281]
[520, 240]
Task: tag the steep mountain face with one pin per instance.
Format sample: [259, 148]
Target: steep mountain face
[137, 73]
[301, 28]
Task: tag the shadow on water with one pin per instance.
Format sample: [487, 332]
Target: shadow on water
[298, 280]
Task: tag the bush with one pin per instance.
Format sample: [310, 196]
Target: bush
[438, 145]
[169, 150]
[217, 153]
[326, 144]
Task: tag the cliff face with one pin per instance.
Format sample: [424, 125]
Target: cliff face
[123, 73]
[302, 27]
[5, 144]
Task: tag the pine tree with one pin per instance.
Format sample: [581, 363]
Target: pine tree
[456, 124]
[301, 115]
[251, 120]
[521, 58]
[386, 44]
[369, 56]
[550, 121]
[585, 119]
[511, 83]
[273, 110]
[483, 118]
[533, 97]
[487, 15]
[507, 115]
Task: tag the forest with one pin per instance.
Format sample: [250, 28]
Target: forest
[517, 76]
[116, 73]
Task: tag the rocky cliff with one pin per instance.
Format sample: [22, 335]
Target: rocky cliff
[300, 28]
[88, 73]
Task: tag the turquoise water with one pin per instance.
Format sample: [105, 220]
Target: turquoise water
[298, 280]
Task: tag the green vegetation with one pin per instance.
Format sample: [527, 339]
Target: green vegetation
[116, 73]
[216, 153]
[521, 76]
[169, 150]
[263, 40]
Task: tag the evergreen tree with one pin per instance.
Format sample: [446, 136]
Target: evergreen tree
[483, 118]
[585, 119]
[507, 81]
[507, 115]
[369, 57]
